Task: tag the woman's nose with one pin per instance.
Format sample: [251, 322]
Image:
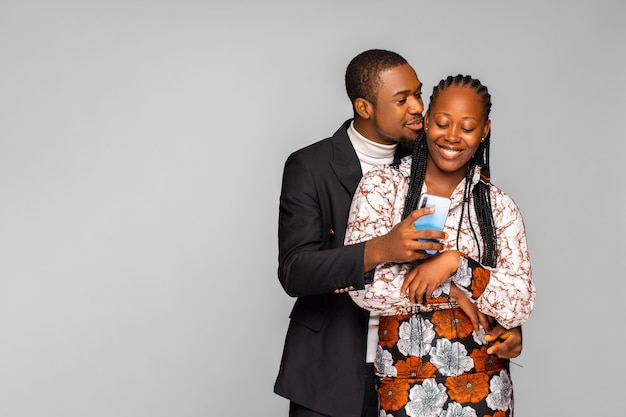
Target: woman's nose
[452, 136]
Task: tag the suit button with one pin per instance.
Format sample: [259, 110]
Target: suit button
[331, 232]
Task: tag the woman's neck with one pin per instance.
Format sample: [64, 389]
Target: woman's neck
[441, 182]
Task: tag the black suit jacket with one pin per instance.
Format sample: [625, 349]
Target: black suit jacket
[323, 363]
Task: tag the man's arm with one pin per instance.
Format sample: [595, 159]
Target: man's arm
[401, 244]
[311, 258]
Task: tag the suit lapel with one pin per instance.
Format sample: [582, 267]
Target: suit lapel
[345, 163]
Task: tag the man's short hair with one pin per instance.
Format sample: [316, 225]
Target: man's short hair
[363, 73]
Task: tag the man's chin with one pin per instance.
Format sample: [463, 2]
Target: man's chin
[406, 144]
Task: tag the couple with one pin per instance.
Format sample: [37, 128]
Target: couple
[359, 271]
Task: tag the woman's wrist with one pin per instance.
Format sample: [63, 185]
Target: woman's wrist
[453, 258]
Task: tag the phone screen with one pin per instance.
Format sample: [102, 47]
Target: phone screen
[435, 221]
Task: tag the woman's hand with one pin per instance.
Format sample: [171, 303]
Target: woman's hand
[505, 344]
[420, 283]
[470, 309]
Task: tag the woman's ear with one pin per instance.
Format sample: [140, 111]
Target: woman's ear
[426, 121]
[363, 108]
[487, 128]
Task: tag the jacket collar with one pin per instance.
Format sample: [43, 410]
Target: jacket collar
[345, 162]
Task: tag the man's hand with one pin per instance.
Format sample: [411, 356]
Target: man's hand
[505, 344]
[401, 244]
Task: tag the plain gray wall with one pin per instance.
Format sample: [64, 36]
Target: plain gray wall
[141, 153]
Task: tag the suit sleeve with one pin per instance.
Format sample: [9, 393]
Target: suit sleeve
[312, 259]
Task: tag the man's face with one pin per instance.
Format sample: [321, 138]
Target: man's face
[398, 109]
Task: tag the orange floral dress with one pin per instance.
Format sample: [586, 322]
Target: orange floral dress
[429, 360]
[432, 363]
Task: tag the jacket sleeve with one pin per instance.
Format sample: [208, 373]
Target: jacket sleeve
[312, 257]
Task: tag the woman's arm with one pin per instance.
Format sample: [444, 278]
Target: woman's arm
[507, 291]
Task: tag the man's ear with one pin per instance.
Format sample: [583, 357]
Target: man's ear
[364, 108]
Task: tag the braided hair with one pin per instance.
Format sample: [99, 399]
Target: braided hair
[480, 194]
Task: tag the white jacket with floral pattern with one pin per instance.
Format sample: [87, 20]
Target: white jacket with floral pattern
[377, 207]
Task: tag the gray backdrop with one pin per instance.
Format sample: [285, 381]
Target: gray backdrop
[141, 152]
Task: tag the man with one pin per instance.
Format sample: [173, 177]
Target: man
[326, 368]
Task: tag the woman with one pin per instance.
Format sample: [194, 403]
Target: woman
[430, 360]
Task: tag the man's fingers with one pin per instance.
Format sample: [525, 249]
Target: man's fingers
[490, 337]
[495, 331]
[503, 350]
[506, 345]
[416, 214]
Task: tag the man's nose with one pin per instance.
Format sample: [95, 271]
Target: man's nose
[416, 105]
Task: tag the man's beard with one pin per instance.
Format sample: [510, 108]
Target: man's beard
[405, 146]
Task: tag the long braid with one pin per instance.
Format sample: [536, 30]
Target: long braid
[482, 206]
[418, 173]
[481, 191]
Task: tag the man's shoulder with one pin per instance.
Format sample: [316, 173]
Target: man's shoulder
[314, 147]
[339, 141]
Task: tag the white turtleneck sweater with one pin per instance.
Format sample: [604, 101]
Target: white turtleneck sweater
[371, 154]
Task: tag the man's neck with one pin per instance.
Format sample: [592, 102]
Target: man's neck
[370, 153]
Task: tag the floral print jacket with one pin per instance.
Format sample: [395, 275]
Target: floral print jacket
[505, 292]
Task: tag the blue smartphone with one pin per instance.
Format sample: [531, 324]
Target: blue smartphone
[435, 221]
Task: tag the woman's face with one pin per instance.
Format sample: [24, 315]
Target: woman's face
[455, 125]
